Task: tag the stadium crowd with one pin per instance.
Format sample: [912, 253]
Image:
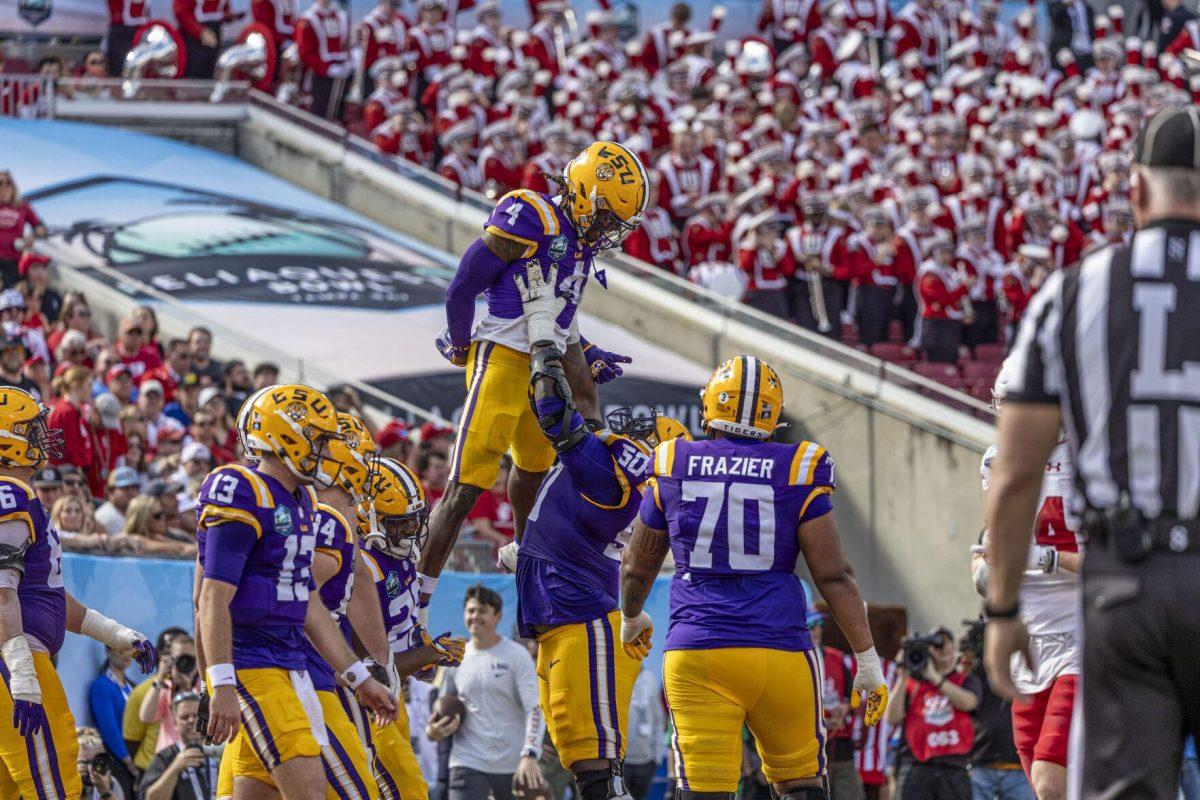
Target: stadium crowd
[900, 180]
[145, 418]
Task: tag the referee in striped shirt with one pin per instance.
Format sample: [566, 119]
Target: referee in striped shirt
[1111, 351]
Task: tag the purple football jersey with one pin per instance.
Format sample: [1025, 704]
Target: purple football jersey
[40, 593]
[271, 601]
[396, 584]
[733, 509]
[536, 221]
[335, 539]
[570, 562]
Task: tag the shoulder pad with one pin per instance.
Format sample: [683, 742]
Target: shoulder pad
[664, 458]
[811, 465]
[13, 556]
[630, 459]
[332, 529]
[235, 486]
[524, 216]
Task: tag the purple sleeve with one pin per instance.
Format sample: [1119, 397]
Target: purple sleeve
[477, 269]
[226, 548]
[650, 513]
[819, 507]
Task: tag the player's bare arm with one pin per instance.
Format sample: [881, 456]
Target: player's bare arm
[325, 636]
[216, 628]
[834, 578]
[640, 564]
[364, 613]
[505, 249]
[1028, 433]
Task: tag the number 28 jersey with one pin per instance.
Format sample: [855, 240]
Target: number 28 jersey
[41, 594]
[733, 509]
[271, 601]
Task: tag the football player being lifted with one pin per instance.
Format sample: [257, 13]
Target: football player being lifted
[602, 198]
[258, 601]
[736, 512]
[1050, 598]
[38, 750]
[567, 560]
[392, 529]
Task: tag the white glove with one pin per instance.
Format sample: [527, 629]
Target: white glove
[23, 681]
[869, 685]
[541, 302]
[341, 70]
[635, 635]
[395, 682]
[506, 559]
[1042, 560]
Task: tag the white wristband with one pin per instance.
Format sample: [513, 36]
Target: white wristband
[356, 674]
[222, 675]
[23, 682]
[426, 584]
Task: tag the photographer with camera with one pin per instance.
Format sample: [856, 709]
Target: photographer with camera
[184, 770]
[996, 772]
[935, 710]
[95, 768]
[177, 673]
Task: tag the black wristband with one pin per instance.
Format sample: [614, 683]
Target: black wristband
[938, 685]
[991, 612]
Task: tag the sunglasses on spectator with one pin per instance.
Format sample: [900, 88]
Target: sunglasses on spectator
[82, 312]
[134, 331]
[204, 423]
[157, 515]
[94, 62]
[72, 482]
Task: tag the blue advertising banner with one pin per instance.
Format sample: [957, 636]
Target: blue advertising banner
[152, 594]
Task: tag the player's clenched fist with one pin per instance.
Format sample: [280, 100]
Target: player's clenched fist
[635, 635]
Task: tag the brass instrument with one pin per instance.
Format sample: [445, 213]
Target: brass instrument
[814, 269]
[967, 306]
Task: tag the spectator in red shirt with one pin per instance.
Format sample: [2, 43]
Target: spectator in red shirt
[492, 516]
[204, 432]
[110, 440]
[15, 217]
[224, 429]
[133, 350]
[119, 381]
[145, 317]
[75, 316]
[767, 261]
[436, 438]
[393, 441]
[72, 415]
[150, 401]
[434, 470]
[35, 283]
[170, 373]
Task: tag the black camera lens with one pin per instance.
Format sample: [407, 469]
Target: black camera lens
[185, 663]
[102, 763]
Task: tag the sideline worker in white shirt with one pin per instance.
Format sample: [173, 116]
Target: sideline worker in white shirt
[498, 740]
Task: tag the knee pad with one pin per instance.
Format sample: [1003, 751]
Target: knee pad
[688, 794]
[602, 784]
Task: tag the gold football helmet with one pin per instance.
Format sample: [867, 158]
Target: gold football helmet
[396, 519]
[25, 441]
[743, 397]
[357, 454]
[296, 424]
[605, 194]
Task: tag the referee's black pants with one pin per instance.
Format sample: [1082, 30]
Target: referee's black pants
[1141, 673]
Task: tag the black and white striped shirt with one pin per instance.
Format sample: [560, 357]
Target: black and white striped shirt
[1116, 344]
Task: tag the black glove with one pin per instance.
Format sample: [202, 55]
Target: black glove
[202, 716]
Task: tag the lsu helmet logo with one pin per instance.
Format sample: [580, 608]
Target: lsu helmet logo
[296, 411]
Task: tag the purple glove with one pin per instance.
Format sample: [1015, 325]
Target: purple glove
[456, 354]
[605, 366]
[29, 718]
[145, 656]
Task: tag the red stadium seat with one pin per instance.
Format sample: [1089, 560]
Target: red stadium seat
[984, 371]
[938, 372]
[990, 352]
[896, 352]
[896, 331]
[981, 393]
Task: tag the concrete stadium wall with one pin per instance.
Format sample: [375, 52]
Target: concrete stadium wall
[909, 502]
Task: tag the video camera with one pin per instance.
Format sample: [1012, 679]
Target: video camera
[915, 652]
[972, 638]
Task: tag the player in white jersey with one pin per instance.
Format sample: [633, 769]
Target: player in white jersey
[1050, 598]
